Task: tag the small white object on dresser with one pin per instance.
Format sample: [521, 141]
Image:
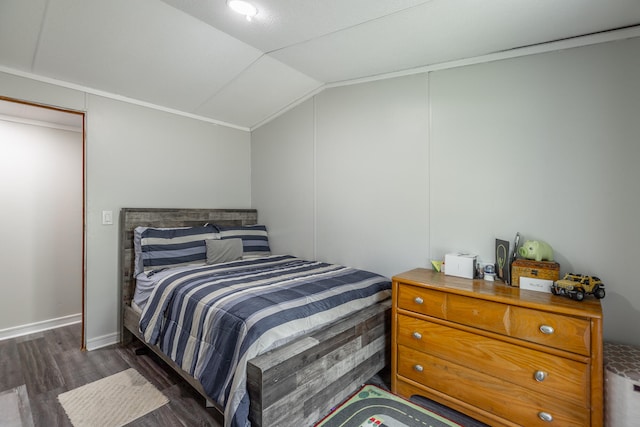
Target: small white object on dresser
[460, 264]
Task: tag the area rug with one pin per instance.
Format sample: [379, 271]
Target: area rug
[112, 401]
[15, 410]
[374, 407]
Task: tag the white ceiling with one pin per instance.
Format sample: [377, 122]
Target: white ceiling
[199, 57]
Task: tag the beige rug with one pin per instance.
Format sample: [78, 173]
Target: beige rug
[112, 401]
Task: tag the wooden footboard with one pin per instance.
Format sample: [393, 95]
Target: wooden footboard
[298, 383]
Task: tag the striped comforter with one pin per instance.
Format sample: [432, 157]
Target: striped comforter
[212, 319]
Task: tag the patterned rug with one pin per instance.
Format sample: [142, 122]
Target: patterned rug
[375, 407]
[112, 401]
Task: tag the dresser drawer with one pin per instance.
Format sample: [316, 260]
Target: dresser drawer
[552, 330]
[557, 377]
[423, 301]
[489, 393]
[549, 329]
[477, 313]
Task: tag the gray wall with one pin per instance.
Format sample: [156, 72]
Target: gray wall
[139, 157]
[400, 171]
[343, 177]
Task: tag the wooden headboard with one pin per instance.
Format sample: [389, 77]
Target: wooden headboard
[130, 218]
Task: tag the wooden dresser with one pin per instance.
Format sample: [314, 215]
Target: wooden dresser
[505, 356]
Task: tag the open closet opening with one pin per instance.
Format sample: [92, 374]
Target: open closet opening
[42, 186]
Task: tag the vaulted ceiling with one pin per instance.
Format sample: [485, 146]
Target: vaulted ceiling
[201, 58]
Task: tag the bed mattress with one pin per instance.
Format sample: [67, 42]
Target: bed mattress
[212, 319]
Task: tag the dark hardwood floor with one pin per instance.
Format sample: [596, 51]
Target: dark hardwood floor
[51, 362]
[43, 365]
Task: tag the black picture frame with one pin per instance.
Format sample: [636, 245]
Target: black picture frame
[503, 261]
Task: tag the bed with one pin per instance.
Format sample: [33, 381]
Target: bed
[296, 381]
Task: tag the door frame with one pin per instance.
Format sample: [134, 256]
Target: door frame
[83, 343]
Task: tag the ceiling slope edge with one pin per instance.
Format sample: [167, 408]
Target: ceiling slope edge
[578, 41]
[117, 97]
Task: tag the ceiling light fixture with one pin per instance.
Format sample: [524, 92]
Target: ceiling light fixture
[243, 7]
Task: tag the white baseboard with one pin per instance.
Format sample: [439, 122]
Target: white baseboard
[45, 325]
[103, 341]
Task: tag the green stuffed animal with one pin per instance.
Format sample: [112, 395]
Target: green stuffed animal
[536, 249]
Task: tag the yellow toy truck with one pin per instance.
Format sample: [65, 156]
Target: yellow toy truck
[576, 286]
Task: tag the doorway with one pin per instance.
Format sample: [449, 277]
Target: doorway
[42, 187]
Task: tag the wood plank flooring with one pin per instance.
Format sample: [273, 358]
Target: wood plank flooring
[36, 368]
[51, 362]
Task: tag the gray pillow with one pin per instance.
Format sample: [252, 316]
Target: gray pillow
[223, 250]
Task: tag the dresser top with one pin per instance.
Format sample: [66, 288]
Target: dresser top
[499, 292]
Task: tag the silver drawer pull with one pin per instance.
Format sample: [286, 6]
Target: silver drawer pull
[418, 300]
[546, 329]
[545, 416]
[418, 368]
[540, 376]
[417, 335]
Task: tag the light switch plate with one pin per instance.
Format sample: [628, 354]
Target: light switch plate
[107, 217]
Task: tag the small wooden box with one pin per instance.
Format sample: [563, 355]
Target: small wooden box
[546, 270]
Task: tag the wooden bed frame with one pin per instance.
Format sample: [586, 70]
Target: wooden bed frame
[296, 384]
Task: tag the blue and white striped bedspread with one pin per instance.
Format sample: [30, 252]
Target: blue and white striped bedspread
[212, 319]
